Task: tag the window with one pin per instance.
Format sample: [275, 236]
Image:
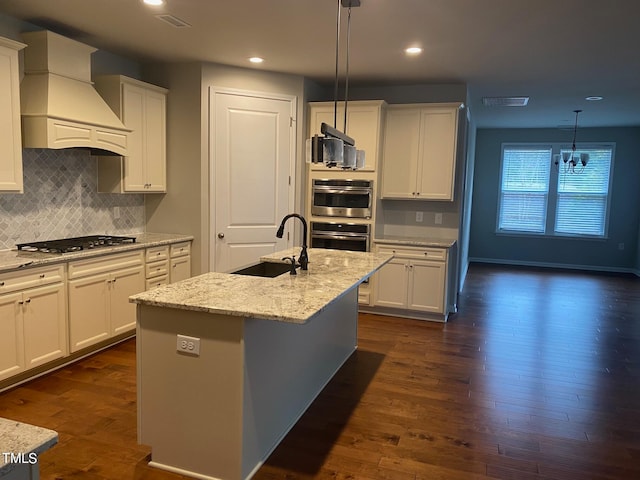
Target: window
[540, 195]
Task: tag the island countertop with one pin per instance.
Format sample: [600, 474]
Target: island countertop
[286, 298]
[22, 439]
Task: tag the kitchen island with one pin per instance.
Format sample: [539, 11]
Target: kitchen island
[228, 363]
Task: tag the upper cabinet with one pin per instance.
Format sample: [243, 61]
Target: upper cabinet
[10, 133]
[364, 124]
[419, 158]
[142, 108]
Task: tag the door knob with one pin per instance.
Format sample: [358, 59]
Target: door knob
[221, 235]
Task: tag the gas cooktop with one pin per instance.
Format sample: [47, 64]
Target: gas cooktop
[66, 245]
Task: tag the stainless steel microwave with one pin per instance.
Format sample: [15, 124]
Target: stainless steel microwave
[342, 198]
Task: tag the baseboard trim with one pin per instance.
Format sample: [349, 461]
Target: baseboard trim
[565, 266]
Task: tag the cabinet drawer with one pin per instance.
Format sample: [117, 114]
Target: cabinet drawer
[156, 269]
[157, 253]
[13, 281]
[107, 263]
[417, 253]
[180, 249]
[157, 281]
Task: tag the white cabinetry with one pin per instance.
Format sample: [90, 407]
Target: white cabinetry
[180, 254]
[419, 158]
[167, 264]
[99, 291]
[365, 121]
[157, 266]
[142, 108]
[415, 280]
[32, 319]
[10, 133]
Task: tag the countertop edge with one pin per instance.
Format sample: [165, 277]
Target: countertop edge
[189, 298]
[12, 259]
[33, 439]
[417, 242]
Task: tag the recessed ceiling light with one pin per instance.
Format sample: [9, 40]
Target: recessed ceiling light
[413, 51]
[594, 98]
[154, 3]
[256, 59]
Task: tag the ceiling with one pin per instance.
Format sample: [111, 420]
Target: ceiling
[557, 52]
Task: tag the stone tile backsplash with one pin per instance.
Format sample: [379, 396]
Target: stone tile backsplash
[61, 200]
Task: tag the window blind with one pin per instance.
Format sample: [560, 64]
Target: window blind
[524, 189]
[582, 197]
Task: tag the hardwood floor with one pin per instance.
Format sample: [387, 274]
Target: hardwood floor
[537, 377]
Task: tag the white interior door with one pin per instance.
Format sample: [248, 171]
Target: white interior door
[252, 154]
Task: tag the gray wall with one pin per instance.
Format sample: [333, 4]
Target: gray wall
[486, 245]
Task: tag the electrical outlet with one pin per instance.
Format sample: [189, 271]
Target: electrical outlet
[190, 345]
[419, 216]
[116, 213]
[438, 219]
[621, 246]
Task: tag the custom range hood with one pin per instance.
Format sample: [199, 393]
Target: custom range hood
[59, 106]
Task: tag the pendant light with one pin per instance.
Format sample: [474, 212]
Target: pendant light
[335, 148]
[571, 159]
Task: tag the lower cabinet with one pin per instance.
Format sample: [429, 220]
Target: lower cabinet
[99, 291]
[167, 264]
[414, 280]
[180, 254]
[48, 312]
[33, 326]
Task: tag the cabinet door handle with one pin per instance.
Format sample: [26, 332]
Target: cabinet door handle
[42, 275]
[28, 300]
[1, 284]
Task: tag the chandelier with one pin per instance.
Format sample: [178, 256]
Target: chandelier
[573, 162]
[335, 148]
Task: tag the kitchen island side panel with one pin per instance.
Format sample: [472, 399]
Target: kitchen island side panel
[286, 366]
[190, 407]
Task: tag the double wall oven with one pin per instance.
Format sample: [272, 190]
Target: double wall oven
[348, 206]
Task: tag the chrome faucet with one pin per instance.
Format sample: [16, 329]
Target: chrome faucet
[303, 258]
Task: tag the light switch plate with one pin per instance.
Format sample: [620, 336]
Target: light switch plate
[419, 216]
[438, 219]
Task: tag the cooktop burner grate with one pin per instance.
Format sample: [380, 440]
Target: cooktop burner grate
[66, 245]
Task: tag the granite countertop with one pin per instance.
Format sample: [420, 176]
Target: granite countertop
[22, 438]
[416, 241]
[13, 259]
[286, 298]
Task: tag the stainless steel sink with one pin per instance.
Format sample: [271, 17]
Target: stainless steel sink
[264, 269]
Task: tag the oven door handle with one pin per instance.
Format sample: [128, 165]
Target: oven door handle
[339, 237]
[346, 191]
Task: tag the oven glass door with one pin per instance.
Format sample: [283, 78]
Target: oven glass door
[340, 236]
[357, 243]
[348, 200]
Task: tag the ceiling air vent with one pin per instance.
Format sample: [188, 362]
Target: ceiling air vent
[505, 101]
[172, 20]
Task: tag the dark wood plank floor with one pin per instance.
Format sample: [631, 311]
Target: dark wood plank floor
[537, 377]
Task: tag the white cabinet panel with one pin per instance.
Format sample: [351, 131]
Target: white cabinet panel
[33, 320]
[142, 108]
[11, 336]
[420, 149]
[415, 280]
[99, 291]
[10, 131]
